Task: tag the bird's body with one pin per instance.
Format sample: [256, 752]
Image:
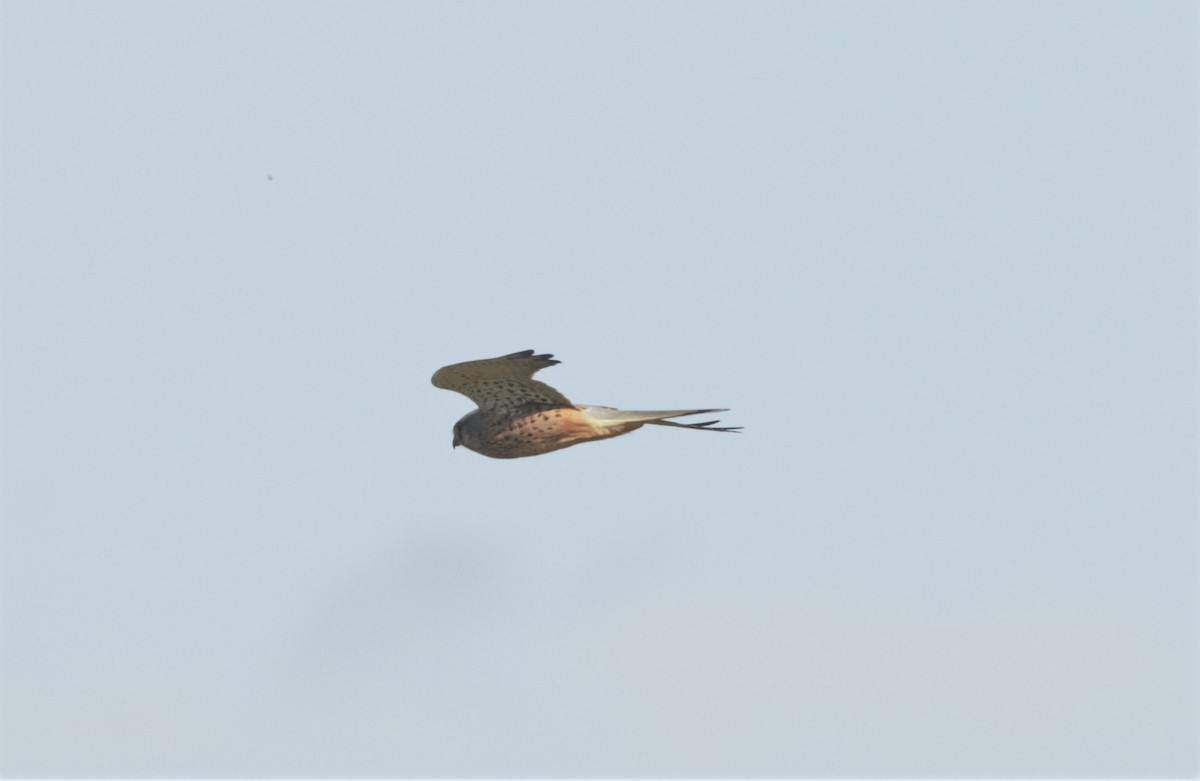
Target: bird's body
[519, 416]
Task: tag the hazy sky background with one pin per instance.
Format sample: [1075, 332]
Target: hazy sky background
[938, 257]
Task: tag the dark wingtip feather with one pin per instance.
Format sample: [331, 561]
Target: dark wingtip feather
[708, 426]
[547, 357]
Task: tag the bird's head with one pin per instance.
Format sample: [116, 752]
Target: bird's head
[465, 430]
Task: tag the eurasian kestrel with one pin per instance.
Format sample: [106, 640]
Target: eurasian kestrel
[519, 416]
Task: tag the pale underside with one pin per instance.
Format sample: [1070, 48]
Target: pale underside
[519, 416]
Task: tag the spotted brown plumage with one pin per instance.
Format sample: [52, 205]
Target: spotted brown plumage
[519, 416]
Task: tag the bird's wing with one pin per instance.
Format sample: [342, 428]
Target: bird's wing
[608, 416]
[506, 381]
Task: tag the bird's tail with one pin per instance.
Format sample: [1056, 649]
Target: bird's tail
[609, 417]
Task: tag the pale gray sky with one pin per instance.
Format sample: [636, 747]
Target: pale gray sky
[939, 257]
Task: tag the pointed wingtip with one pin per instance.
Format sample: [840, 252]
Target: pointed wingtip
[547, 358]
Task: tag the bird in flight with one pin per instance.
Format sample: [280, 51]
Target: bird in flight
[519, 416]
